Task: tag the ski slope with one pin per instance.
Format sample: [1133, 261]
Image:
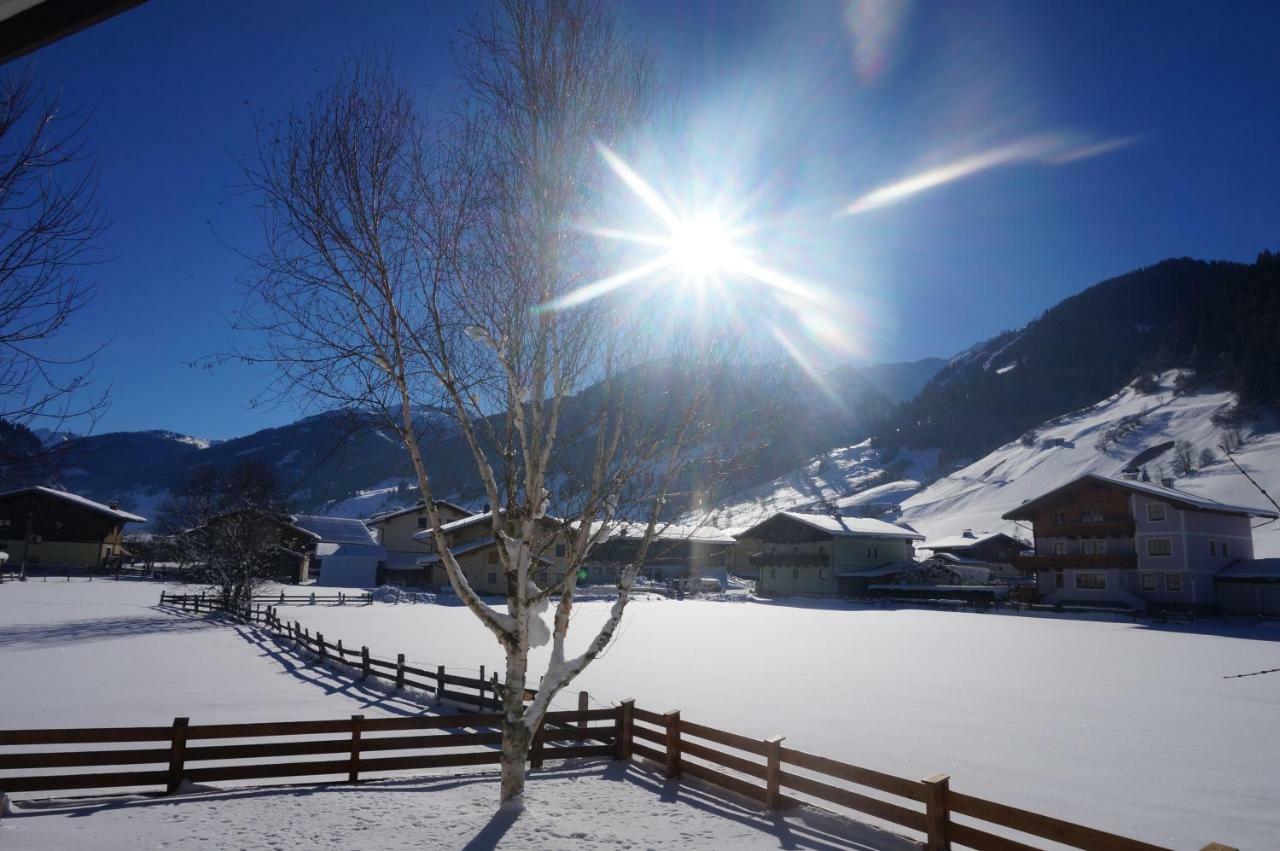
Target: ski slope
[974, 497]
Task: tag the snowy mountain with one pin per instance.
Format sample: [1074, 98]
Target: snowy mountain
[1129, 428]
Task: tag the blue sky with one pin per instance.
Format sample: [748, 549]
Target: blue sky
[801, 107]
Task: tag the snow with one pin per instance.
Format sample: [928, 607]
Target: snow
[1121, 726]
[976, 496]
[101, 653]
[851, 527]
[578, 805]
[839, 476]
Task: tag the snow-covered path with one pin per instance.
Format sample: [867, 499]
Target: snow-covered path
[581, 806]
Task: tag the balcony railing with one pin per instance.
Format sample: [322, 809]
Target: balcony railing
[1077, 529]
[789, 560]
[1079, 560]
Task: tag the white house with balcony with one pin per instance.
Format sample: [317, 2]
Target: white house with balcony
[1104, 540]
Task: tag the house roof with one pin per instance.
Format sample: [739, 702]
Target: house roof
[378, 519]
[334, 530]
[85, 502]
[672, 532]
[1174, 496]
[960, 542]
[845, 527]
[466, 548]
[463, 523]
[1251, 568]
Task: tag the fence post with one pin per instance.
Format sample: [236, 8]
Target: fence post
[439, 683]
[364, 663]
[353, 775]
[320, 642]
[162, 596]
[937, 812]
[177, 754]
[282, 598]
[773, 773]
[313, 598]
[480, 705]
[582, 710]
[672, 720]
[399, 671]
[341, 657]
[622, 729]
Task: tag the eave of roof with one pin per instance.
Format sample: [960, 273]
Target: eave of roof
[76, 499]
[1178, 498]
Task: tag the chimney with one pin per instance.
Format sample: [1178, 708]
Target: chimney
[968, 533]
[1166, 482]
[113, 504]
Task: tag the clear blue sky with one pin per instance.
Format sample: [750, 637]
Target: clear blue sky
[811, 111]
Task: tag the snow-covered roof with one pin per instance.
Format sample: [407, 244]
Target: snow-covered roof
[846, 527]
[463, 523]
[673, 532]
[83, 501]
[1251, 568]
[1172, 495]
[464, 549]
[952, 558]
[334, 530]
[378, 519]
[959, 542]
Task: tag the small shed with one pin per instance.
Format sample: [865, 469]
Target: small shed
[346, 554]
[1250, 586]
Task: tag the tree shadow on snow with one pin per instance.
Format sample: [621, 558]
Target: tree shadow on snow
[96, 629]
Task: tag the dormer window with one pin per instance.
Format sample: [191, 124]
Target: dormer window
[1156, 512]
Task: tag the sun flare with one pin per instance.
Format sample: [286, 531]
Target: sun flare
[704, 249]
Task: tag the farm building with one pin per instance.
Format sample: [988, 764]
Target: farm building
[827, 554]
[676, 552]
[343, 551]
[396, 531]
[43, 526]
[472, 543]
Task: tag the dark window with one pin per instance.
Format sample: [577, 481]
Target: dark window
[422, 522]
[1213, 547]
[1155, 511]
[1226, 553]
[1059, 548]
[1057, 579]
[493, 577]
[795, 573]
[1173, 582]
[1148, 582]
[1159, 547]
[493, 556]
[1091, 581]
[1059, 517]
[560, 550]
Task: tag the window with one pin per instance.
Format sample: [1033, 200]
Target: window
[493, 556]
[1059, 548]
[560, 550]
[1155, 511]
[422, 522]
[1173, 582]
[492, 578]
[1091, 581]
[1059, 517]
[1093, 548]
[1226, 551]
[1159, 547]
[1148, 582]
[4, 522]
[795, 573]
[873, 552]
[1213, 548]
[1093, 515]
[1057, 579]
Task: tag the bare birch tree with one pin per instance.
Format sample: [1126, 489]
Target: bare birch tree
[49, 227]
[410, 265]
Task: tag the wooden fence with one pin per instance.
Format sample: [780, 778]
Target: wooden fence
[763, 770]
[348, 743]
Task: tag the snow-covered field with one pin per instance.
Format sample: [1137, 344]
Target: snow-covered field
[1125, 727]
[81, 654]
[976, 496]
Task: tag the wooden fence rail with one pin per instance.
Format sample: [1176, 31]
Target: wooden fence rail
[473, 740]
[763, 770]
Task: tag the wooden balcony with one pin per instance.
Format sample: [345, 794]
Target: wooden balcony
[1075, 562]
[1076, 529]
[789, 560]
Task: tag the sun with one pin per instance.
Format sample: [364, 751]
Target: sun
[704, 249]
